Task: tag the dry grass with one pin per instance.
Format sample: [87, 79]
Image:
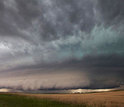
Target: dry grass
[103, 99]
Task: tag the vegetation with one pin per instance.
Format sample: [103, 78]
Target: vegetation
[104, 99]
[12, 100]
[101, 99]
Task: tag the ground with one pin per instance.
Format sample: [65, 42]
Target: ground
[102, 99]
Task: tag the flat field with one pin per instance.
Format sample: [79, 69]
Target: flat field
[13, 100]
[102, 99]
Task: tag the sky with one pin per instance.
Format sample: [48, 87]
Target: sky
[61, 44]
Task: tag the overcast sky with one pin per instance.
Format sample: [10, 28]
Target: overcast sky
[46, 44]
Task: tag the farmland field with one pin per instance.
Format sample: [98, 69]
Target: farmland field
[102, 99]
[12, 100]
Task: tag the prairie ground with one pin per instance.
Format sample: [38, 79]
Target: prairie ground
[13, 100]
[102, 99]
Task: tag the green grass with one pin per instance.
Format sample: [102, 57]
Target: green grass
[10, 100]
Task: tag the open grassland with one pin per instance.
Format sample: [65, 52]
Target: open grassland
[103, 99]
[13, 100]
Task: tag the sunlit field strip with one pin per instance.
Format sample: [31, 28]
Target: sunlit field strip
[102, 99]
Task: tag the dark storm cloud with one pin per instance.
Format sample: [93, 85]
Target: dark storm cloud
[65, 17]
[54, 17]
[112, 11]
[81, 42]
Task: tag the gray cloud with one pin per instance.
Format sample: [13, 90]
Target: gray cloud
[115, 14]
[84, 36]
